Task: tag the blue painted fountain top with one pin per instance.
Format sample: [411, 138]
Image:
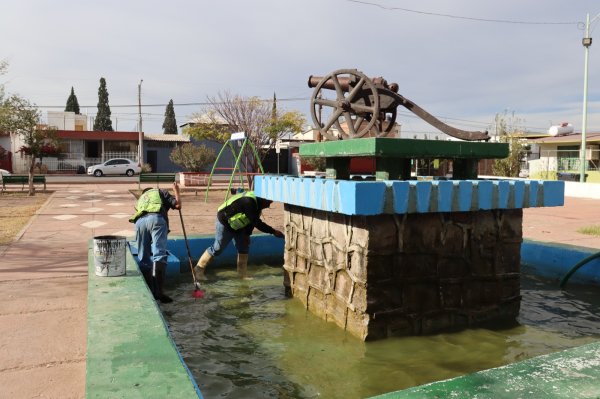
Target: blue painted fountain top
[411, 196]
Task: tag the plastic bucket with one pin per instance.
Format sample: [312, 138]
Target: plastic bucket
[109, 255]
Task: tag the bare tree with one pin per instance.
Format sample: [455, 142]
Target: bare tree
[259, 119]
[3, 68]
[509, 131]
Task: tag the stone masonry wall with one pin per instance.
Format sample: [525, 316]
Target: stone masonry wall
[410, 274]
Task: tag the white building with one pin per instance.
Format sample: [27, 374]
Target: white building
[64, 120]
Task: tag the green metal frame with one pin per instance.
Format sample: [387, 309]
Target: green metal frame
[236, 168]
[393, 156]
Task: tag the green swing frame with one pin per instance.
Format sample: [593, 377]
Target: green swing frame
[235, 137]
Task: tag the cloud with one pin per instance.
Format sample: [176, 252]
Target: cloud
[456, 68]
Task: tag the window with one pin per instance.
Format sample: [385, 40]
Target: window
[567, 157]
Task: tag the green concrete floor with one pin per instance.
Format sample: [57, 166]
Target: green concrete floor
[573, 373]
[129, 350]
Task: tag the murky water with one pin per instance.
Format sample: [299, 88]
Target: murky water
[245, 339]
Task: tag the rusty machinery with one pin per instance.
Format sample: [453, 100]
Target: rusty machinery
[361, 106]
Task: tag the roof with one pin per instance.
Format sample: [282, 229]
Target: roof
[574, 138]
[94, 135]
[171, 138]
[205, 119]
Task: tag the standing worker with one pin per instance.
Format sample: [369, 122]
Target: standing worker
[152, 227]
[236, 218]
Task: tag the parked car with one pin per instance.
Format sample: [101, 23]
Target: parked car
[116, 166]
[4, 172]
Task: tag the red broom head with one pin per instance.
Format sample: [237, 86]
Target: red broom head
[198, 294]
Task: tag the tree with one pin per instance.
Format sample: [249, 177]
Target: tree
[170, 124]
[261, 122]
[19, 116]
[3, 68]
[191, 157]
[508, 131]
[72, 103]
[102, 122]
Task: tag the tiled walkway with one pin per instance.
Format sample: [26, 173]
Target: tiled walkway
[43, 281]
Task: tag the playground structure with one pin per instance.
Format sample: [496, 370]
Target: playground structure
[239, 137]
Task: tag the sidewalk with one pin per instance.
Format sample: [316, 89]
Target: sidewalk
[560, 224]
[43, 275]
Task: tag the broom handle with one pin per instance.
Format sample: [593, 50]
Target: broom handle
[188, 249]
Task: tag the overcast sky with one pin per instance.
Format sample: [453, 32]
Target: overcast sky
[453, 58]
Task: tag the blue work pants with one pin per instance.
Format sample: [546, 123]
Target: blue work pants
[151, 236]
[223, 237]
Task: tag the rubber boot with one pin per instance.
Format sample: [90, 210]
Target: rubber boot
[242, 266]
[148, 278]
[160, 273]
[204, 260]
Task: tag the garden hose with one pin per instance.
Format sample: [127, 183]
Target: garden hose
[576, 267]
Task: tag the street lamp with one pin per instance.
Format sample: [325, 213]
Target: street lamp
[587, 42]
[140, 144]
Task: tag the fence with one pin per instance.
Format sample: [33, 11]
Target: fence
[549, 162]
[66, 165]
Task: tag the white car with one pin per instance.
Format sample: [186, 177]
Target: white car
[115, 166]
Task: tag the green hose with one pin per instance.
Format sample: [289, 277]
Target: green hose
[576, 267]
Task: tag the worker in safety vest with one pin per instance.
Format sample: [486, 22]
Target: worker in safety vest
[236, 218]
[152, 227]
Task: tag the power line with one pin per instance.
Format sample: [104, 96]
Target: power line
[504, 21]
[178, 105]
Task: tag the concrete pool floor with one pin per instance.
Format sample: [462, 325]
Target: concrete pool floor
[43, 275]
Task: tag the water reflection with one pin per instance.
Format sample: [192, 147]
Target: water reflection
[245, 339]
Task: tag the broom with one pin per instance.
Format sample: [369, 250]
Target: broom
[198, 293]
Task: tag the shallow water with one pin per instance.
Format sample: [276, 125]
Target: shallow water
[245, 339]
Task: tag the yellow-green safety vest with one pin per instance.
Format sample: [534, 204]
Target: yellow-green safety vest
[149, 202]
[239, 220]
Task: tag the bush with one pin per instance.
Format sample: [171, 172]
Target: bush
[193, 158]
[316, 163]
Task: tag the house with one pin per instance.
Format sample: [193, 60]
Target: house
[551, 156]
[85, 148]
[5, 152]
[67, 120]
[157, 151]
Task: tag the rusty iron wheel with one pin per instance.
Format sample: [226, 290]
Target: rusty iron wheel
[357, 104]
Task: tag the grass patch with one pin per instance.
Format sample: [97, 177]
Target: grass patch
[590, 230]
[16, 208]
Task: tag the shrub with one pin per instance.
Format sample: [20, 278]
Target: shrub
[193, 158]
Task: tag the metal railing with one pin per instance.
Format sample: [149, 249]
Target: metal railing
[66, 165]
[561, 161]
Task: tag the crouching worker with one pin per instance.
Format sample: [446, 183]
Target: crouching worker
[236, 218]
[151, 228]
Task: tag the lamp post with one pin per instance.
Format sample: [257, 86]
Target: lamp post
[587, 42]
[140, 144]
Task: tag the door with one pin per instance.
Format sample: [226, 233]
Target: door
[152, 159]
[92, 149]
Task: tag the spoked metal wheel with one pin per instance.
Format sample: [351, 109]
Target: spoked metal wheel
[386, 122]
[348, 100]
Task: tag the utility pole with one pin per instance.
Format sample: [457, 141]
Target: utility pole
[141, 140]
[587, 42]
